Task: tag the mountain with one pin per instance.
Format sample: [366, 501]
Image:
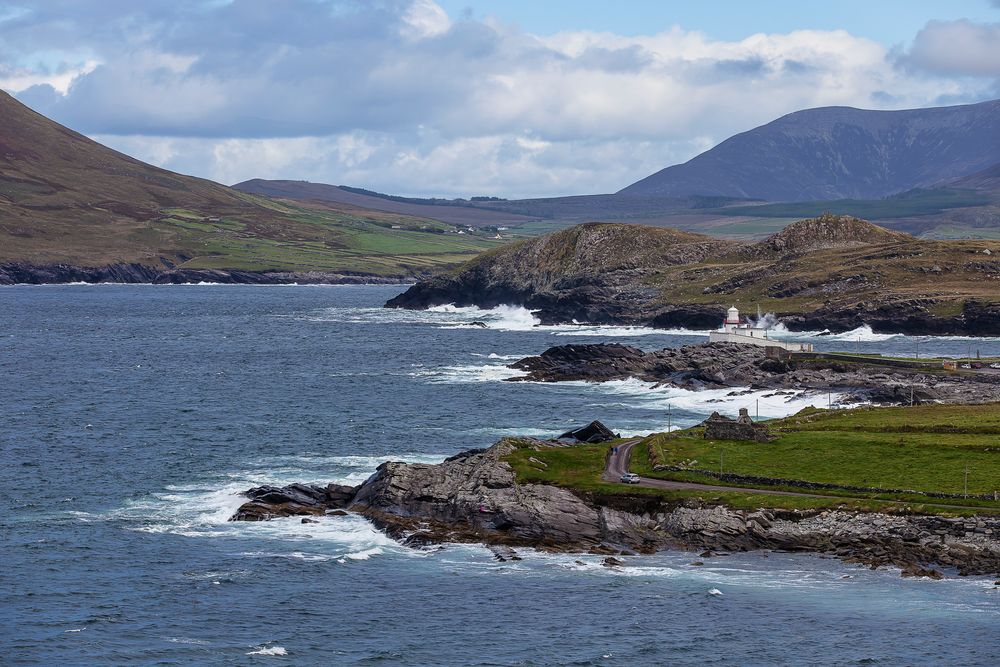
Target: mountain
[831, 272]
[838, 153]
[450, 211]
[67, 200]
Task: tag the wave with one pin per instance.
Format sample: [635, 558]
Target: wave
[502, 318]
[463, 374]
[202, 509]
[269, 650]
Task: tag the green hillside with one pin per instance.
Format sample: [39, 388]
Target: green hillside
[66, 199]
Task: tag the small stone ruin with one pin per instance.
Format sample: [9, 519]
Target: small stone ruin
[719, 427]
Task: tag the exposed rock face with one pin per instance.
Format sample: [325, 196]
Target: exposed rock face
[720, 365]
[833, 272]
[34, 274]
[474, 497]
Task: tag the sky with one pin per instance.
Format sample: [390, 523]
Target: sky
[455, 98]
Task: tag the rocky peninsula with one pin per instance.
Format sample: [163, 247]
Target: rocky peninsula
[476, 497]
[731, 365]
[831, 272]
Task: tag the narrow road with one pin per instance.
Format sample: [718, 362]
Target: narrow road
[618, 464]
[619, 461]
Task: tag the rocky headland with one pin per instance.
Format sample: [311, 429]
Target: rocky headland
[831, 272]
[731, 365]
[476, 497]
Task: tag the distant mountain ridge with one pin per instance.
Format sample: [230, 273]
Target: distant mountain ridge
[839, 153]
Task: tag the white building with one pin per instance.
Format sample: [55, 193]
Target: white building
[734, 331]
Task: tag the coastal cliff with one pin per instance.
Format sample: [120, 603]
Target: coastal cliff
[831, 272]
[16, 273]
[476, 497]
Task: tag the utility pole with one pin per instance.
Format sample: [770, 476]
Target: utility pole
[966, 491]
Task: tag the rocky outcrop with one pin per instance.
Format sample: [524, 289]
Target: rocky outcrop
[722, 365]
[41, 274]
[831, 272]
[271, 502]
[475, 497]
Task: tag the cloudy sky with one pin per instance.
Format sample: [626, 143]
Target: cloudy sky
[513, 98]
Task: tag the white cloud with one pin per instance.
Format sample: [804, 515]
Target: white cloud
[460, 107]
[957, 47]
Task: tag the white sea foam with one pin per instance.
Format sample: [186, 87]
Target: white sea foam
[202, 510]
[462, 374]
[269, 650]
[501, 318]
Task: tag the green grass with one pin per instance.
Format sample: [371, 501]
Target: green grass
[579, 468]
[923, 448]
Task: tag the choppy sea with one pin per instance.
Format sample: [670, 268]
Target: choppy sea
[132, 416]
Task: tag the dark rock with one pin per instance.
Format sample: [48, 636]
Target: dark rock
[697, 563]
[308, 520]
[611, 561]
[593, 432]
[720, 365]
[336, 513]
[914, 570]
[270, 502]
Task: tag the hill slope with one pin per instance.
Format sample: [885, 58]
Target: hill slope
[65, 199]
[831, 272]
[837, 153]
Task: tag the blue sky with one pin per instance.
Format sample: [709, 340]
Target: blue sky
[474, 97]
[887, 21]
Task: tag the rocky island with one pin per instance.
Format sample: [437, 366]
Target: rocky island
[737, 366]
[830, 272]
[487, 496]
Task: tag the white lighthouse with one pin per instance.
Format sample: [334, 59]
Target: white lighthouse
[734, 331]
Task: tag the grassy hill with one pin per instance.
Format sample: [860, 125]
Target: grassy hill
[67, 199]
[832, 272]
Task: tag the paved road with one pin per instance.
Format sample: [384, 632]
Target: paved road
[618, 464]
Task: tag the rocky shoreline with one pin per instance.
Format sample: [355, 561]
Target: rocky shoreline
[131, 273]
[730, 365]
[475, 497]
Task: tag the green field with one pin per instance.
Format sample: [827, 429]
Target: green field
[923, 448]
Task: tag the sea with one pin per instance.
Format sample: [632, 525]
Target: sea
[132, 416]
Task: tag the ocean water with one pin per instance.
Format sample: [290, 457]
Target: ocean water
[132, 416]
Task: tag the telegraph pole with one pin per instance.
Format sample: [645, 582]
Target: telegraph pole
[966, 491]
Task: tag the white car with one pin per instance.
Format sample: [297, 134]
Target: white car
[630, 478]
